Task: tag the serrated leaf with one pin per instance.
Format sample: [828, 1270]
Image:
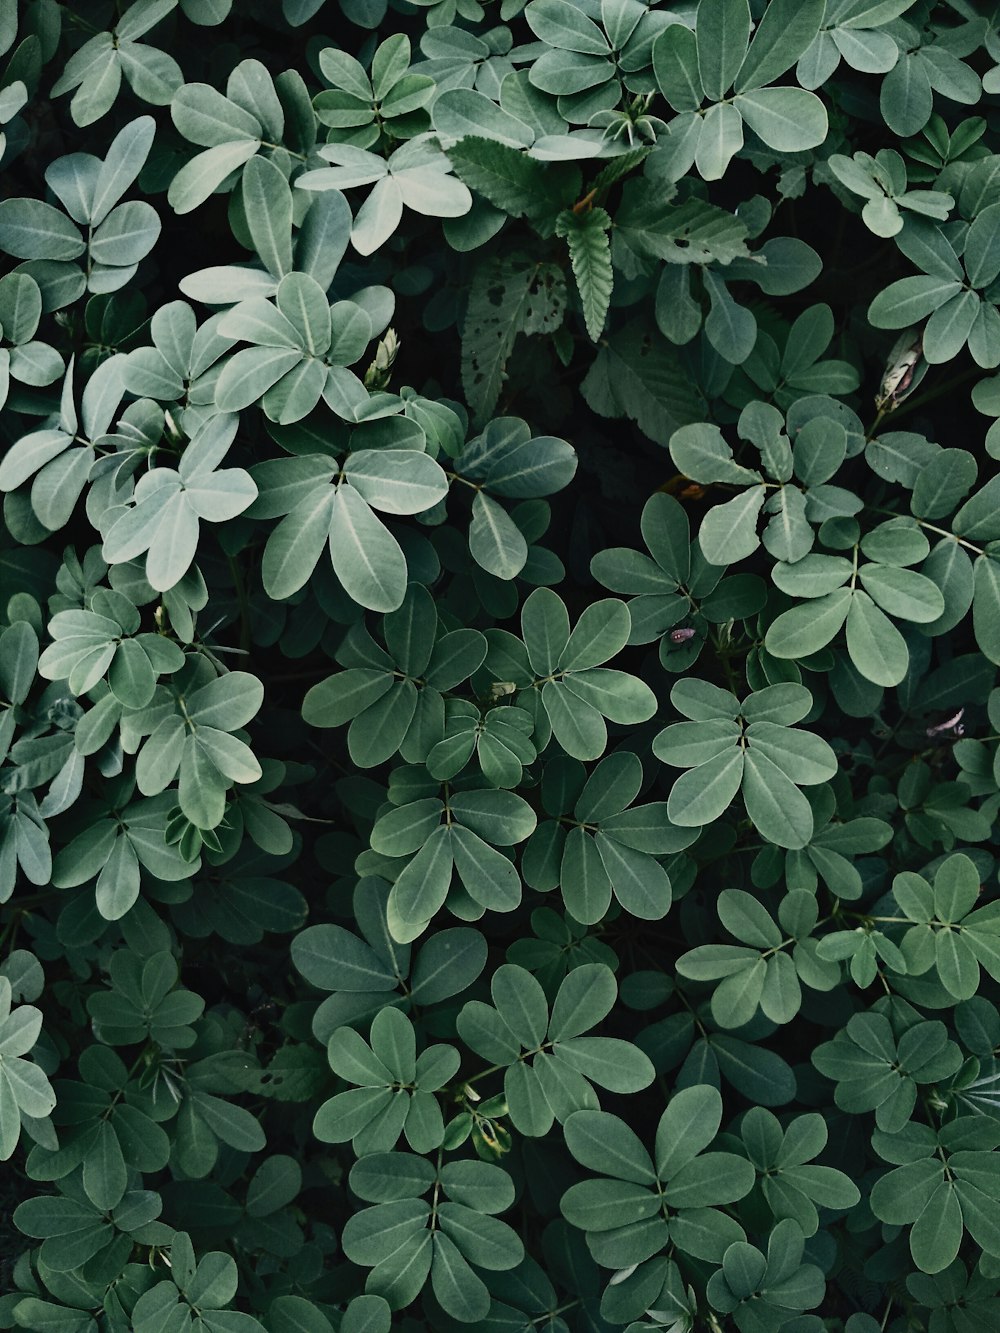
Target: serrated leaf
[586, 235]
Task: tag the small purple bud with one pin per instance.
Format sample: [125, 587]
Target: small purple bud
[681, 635]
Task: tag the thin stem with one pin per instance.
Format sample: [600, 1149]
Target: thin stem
[243, 601]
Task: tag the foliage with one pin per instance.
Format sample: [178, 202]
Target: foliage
[499, 629]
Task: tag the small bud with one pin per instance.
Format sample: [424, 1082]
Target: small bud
[377, 374]
[173, 431]
[900, 378]
[952, 727]
[681, 635]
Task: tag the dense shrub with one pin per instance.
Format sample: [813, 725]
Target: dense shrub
[500, 571]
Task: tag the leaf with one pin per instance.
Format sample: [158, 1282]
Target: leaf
[521, 1003]
[576, 723]
[604, 1143]
[703, 794]
[125, 158]
[495, 541]
[173, 544]
[788, 120]
[447, 964]
[463, 112]
[206, 117]
[396, 481]
[937, 1233]
[601, 632]
[693, 232]
[675, 64]
[723, 36]
[366, 557]
[876, 647]
[720, 138]
[805, 629]
[910, 300]
[702, 453]
[204, 174]
[586, 235]
[496, 312]
[517, 184]
[460, 1292]
[31, 229]
[640, 884]
[639, 376]
[609, 1062]
[779, 811]
[784, 33]
[986, 606]
[981, 255]
[267, 200]
[728, 531]
[902, 592]
[334, 959]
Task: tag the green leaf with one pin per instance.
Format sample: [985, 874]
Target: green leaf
[675, 65]
[728, 531]
[720, 136]
[366, 557]
[910, 300]
[334, 959]
[783, 34]
[701, 453]
[546, 631]
[704, 793]
[743, 916]
[517, 184]
[779, 811]
[789, 120]
[488, 876]
[586, 882]
[460, 1292]
[586, 235]
[125, 158]
[267, 200]
[585, 997]
[203, 175]
[577, 724]
[902, 592]
[495, 541]
[447, 964]
[499, 300]
[723, 36]
[806, 629]
[604, 1143]
[462, 112]
[876, 647]
[601, 632]
[640, 884]
[31, 229]
[608, 1062]
[561, 25]
[986, 607]
[710, 1179]
[638, 375]
[396, 481]
[981, 255]
[521, 1003]
[937, 1233]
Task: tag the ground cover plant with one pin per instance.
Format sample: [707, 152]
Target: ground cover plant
[499, 629]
